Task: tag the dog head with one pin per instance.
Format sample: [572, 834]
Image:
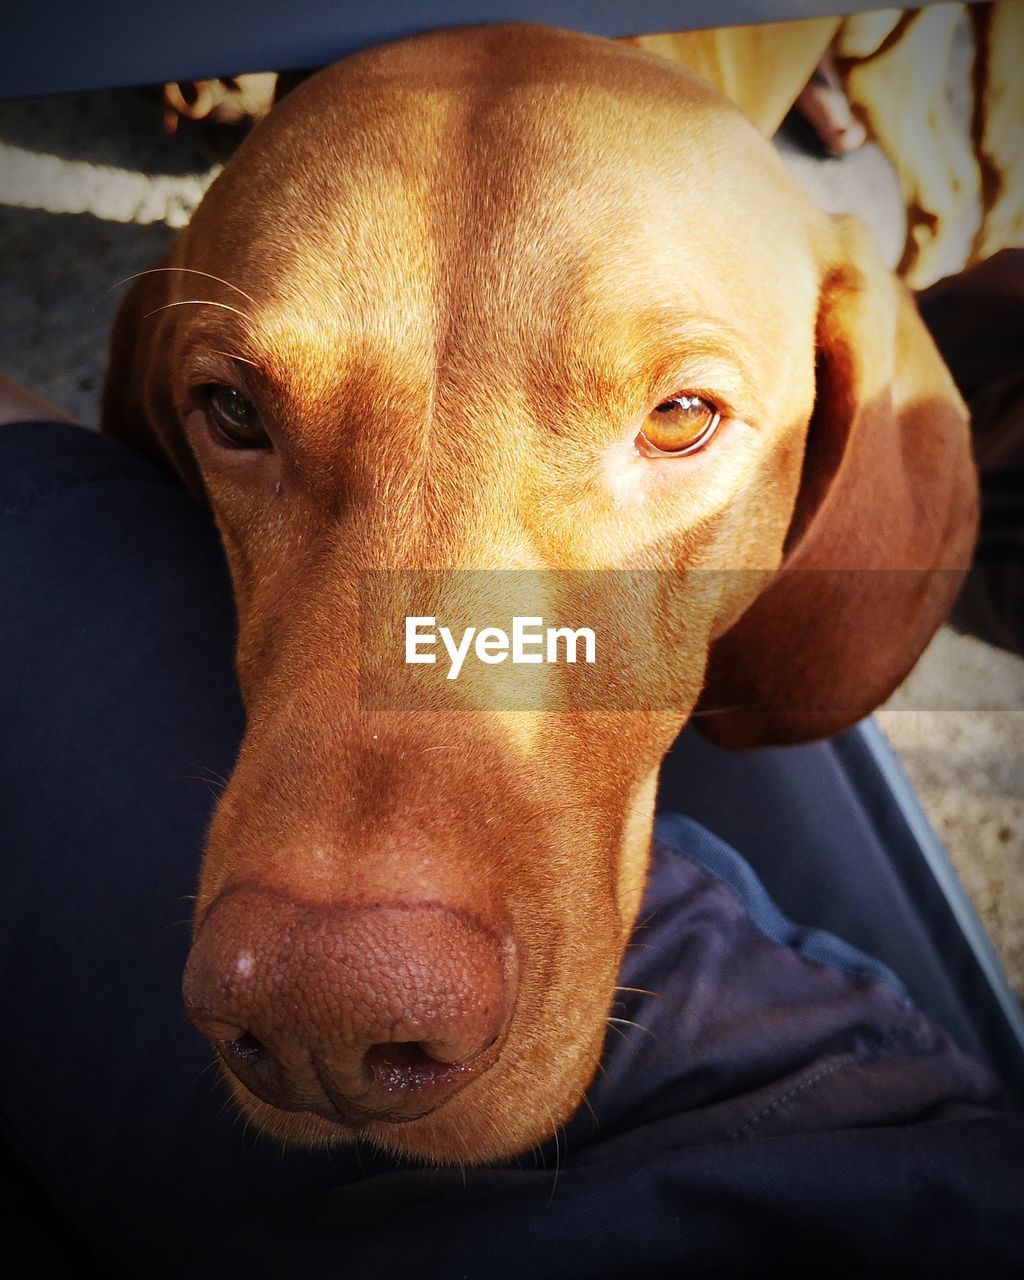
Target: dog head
[513, 299]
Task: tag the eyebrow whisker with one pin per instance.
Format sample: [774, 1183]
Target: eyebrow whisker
[192, 271]
[231, 356]
[197, 302]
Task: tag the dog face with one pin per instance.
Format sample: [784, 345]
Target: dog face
[512, 299]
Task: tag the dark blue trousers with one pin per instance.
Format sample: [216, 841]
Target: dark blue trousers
[782, 1108]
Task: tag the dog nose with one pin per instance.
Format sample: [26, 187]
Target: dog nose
[374, 1012]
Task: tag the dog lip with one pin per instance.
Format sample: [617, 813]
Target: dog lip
[349, 1116]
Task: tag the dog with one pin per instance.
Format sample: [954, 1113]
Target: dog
[493, 300]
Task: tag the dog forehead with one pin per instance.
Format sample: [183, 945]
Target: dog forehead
[496, 145]
[516, 194]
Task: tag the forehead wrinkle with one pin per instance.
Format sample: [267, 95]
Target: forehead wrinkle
[607, 349]
[338, 255]
[446, 247]
[553, 282]
[642, 358]
[528, 195]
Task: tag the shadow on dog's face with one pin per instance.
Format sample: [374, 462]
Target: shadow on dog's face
[502, 323]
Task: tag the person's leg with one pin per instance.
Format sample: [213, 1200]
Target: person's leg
[18, 404]
[120, 717]
[120, 714]
[835, 834]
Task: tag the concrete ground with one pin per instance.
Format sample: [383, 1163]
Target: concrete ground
[91, 191]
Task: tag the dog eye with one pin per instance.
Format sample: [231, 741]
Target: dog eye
[235, 420]
[678, 426]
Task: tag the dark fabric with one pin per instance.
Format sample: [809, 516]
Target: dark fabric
[679, 832]
[767, 1112]
[120, 43]
[832, 843]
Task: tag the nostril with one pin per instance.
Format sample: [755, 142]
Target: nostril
[256, 1066]
[246, 1048]
[409, 1066]
[397, 1068]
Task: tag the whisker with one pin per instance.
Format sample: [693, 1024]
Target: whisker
[203, 777]
[558, 1157]
[214, 773]
[596, 1062]
[191, 271]
[626, 1023]
[724, 711]
[231, 356]
[216, 788]
[618, 1030]
[197, 302]
[587, 1103]
[203, 1070]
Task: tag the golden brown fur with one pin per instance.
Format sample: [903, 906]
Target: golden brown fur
[454, 273]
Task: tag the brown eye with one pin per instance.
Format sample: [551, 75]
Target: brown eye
[681, 425]
[235, 420]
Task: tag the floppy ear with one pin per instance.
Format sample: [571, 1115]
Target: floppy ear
[883, 527]
[137, 404]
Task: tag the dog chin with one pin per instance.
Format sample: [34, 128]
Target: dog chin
[481, 1125]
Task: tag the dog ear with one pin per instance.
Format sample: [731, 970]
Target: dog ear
[137, 404]
[882, 530]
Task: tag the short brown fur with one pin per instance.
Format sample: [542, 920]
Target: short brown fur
[454, 273]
